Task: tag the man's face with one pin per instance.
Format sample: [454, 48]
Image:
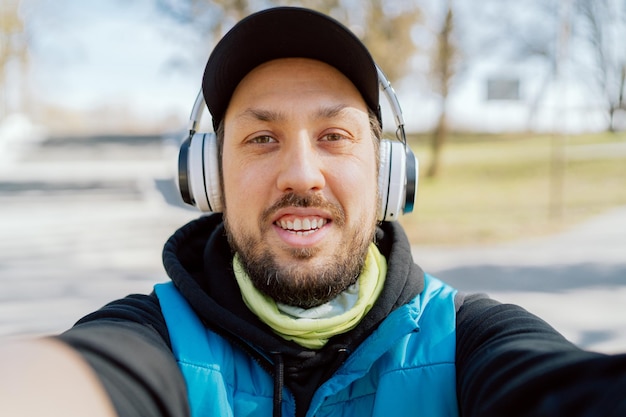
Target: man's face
[300, 180]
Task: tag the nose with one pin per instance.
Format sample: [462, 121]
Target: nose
[301, 168]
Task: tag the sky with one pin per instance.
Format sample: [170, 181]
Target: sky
[110, 52]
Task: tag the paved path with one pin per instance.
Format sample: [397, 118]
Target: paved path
[81, 226]
[61, 258]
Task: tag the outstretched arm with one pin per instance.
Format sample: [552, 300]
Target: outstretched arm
[45, 377]
[115, 361]
[511, 363]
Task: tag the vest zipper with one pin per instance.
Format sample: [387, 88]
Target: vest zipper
[279, 382]
[275, 369]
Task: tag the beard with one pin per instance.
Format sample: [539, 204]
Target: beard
[303, 282]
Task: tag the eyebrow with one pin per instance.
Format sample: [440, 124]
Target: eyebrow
[324, 112]
[262, 115]
[330, 112]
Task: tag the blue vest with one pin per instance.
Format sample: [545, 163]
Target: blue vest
[406, 367]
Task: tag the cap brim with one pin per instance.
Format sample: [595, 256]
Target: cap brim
[286, 32]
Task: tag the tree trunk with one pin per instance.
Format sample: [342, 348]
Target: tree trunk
[612, 118]
[439, 138]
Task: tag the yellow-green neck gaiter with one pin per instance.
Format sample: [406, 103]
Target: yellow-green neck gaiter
[312, 331]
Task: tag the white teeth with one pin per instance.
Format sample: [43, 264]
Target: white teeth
[302, 226]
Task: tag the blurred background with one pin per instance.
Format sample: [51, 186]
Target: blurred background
[515, 109]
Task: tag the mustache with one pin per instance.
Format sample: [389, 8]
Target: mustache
[310, 200]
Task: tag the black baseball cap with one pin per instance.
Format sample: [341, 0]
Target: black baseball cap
[286, 32]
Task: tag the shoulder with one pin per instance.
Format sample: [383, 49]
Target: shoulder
[135, 308]
[127, 345]
[479, 316]
[484, 324]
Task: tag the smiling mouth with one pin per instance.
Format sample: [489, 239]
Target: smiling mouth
[302, 226]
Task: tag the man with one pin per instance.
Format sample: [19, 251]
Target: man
[296, 301]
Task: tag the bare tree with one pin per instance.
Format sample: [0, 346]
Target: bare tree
[513, 32]
[12, 44]
[533, 30]
[446, 55]
[388, 35]
[383, 25]
[605, 26]
[207, 17]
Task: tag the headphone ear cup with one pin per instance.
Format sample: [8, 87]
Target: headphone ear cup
[383, 178]
[412, 179]
[397, 180]
[198, 173]
[212, 183]
[183, 172]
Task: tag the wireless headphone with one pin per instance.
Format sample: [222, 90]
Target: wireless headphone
[200, 186]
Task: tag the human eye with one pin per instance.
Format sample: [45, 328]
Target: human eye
[333, 137]
[262, 139]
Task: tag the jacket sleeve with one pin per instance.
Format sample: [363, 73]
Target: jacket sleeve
[511, 363]
[127, 344]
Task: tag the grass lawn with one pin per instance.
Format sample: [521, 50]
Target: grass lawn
[495, 188]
